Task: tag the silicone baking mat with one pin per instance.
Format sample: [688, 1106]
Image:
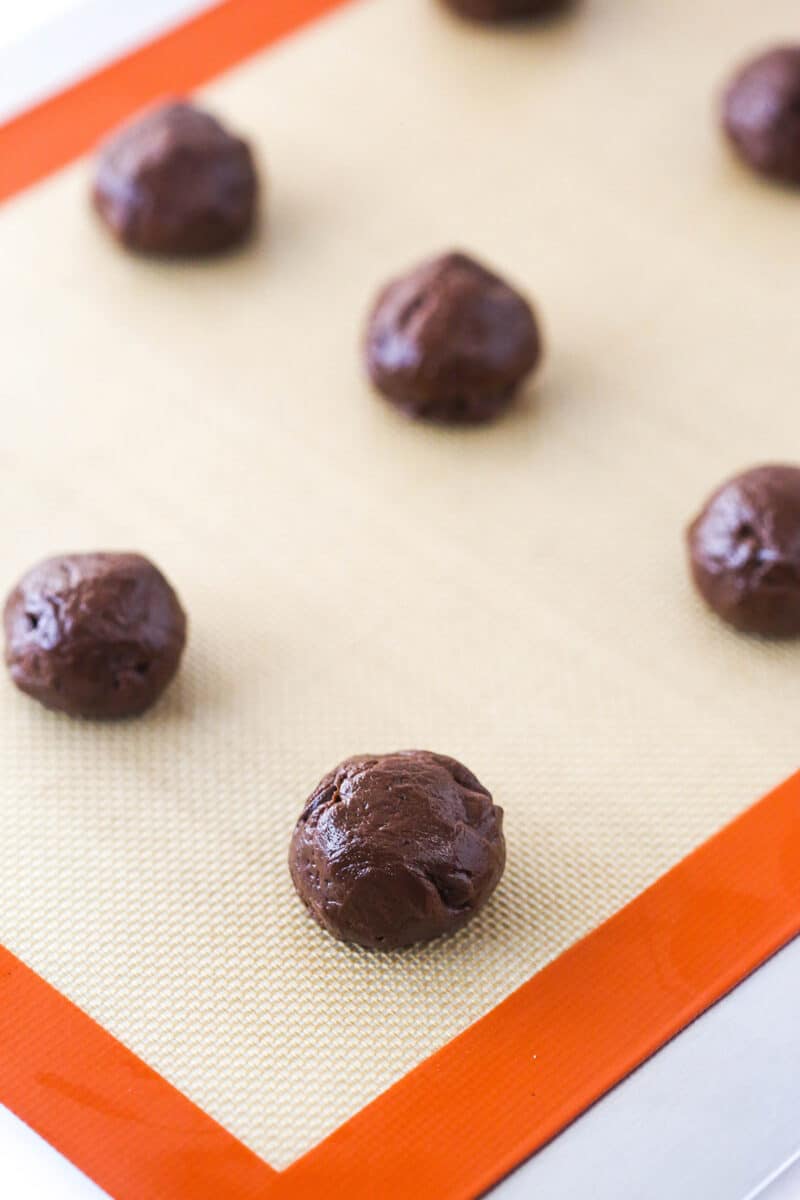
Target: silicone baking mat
[515, 596]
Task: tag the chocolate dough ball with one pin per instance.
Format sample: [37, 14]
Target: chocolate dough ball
[175, 182]
[392, 849]
[450, 341]
[761, 113]
[497, 11]
[94, 635]
[744, 551]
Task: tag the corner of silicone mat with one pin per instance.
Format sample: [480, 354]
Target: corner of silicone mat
[517, 1077]
[478, 1107]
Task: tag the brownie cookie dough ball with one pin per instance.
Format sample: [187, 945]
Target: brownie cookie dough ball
[761, 113]
[175, 182]
[451, 342]
[497, 11]
[94, 635]
[744, 550]
[397, 848]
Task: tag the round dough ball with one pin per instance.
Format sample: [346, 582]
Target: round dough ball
[451, 342]
[175, 182]
[761, 113]
[744, 550]
[398, 848]
[498, 11]
[94, 635]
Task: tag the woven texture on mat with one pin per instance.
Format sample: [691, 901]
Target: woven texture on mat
[515, 596]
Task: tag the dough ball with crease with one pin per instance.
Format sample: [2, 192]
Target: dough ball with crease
[175, 182]
[450, 341]
[94, 635]
[744, 551]
[393, 849]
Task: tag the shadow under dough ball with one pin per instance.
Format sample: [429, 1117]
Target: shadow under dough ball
[761, 113]
[451, 342]
[498, 11]
[94, 635]
[744, 550]
[175, 182]
[397, 848]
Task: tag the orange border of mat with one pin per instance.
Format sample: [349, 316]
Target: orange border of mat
[513, 1080]
[474, 1110]
[54, 133]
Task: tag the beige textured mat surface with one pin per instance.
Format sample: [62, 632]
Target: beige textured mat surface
[514, 596]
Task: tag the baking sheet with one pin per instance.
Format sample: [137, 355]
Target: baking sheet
[515, 596]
